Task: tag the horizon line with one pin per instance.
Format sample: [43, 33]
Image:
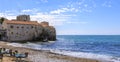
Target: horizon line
[89, 34]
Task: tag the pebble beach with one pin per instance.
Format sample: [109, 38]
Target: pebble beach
[41, 55]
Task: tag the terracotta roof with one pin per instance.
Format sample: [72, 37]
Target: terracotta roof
[21, 22]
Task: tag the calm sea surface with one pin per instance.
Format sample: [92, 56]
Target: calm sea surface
[102, 47]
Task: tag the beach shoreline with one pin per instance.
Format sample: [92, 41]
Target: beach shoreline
[44, 55]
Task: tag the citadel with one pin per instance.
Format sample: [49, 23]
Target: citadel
[23, 29]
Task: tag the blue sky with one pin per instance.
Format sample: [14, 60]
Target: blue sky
[70, 17]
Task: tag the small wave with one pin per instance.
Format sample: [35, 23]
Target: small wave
[103, 58]
[27, 45]
[15, 44]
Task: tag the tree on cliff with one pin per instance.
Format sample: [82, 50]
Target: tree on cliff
[2, 19]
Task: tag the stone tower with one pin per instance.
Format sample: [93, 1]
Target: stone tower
[44, 24]
[23, 18]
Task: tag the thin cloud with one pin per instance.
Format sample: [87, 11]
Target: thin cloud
[34, 10]
[41, 1]
[56, 20]
[44, 1]
[78, 6]
[107, 4]
[27, 10]
[76, 22]
[62, 10]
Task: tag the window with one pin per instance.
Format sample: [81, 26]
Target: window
[31, 26]
[17, 26]
[22, 27]
[11, 26]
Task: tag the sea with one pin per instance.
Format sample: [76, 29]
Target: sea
[105, 48]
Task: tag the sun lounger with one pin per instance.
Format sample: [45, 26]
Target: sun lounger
[21, 55]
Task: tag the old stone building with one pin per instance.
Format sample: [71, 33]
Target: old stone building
[23, 29]
[20, 30]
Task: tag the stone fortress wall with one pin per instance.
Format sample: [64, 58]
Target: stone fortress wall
[23, 29]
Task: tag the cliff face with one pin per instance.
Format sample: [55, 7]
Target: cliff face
[48, 32]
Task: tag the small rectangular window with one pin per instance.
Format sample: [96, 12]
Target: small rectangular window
[17, 26]
[31, 26]
[11, 26]
[22, 27]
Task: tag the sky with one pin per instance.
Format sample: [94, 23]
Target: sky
[69, 17]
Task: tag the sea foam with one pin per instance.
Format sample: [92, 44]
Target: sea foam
[103, 58]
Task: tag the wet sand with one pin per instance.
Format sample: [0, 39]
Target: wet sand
[41, 56]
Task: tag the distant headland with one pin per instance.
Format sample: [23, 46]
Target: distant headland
[23, 29]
